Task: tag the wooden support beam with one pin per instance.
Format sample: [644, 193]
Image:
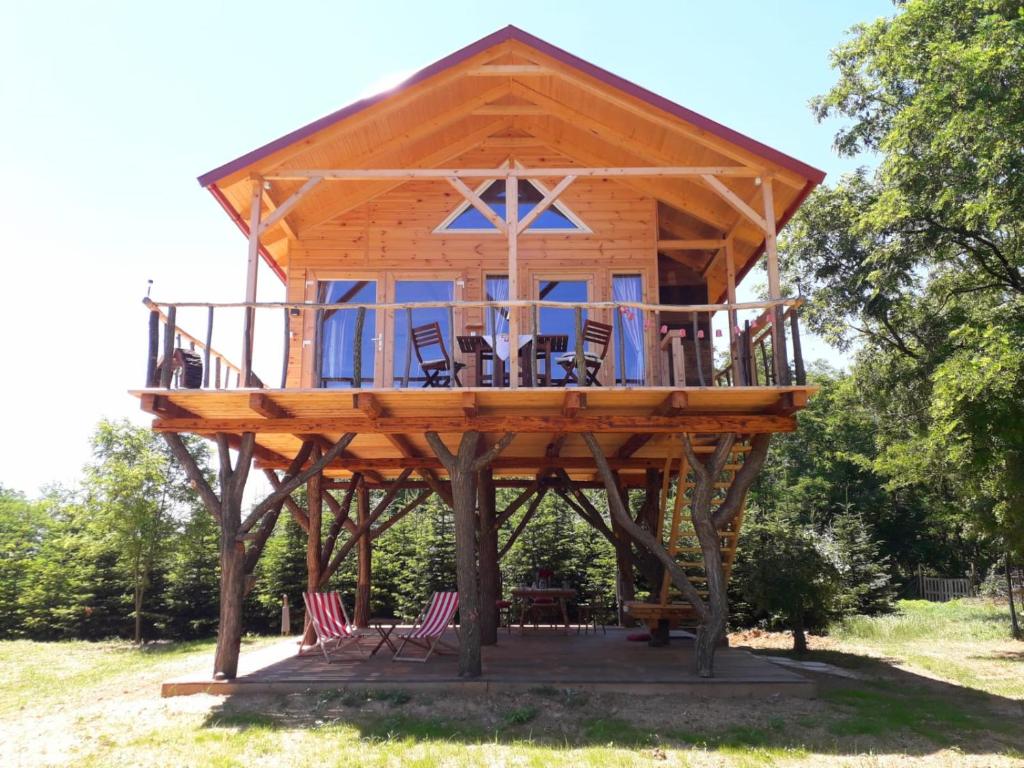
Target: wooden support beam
[368, 404]
[790, 402]
[469, 405]
[265, 406]
[736, 201]
[371, 466]
[508, 70]
[573, 403]
[693, 423]
[474, 199]
[546, 202]
[521, 526]
[282, 210]
[691, 245]
[161, 406]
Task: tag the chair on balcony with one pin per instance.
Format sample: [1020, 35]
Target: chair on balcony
[438, 371]
[598, 334]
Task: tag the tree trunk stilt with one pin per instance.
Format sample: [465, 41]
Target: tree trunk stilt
[487, 546]
[364, 553]
[462, 469]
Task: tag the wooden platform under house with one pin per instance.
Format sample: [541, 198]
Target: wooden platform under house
[435, 338]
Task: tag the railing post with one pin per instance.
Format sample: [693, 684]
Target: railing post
[798, 356]
[696, 347]
[287, 345]
[247, 344]
[206, 350]
[152, 378]
[533, 346]
[408, 348]
[167, 365]
[357, 349]
[581, 357]
[779, 347]
[318, 349]
[620, 347]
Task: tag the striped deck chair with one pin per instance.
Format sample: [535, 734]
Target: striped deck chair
[429, 626]
[330, 621]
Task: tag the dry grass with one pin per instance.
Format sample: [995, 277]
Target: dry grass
[82, 704]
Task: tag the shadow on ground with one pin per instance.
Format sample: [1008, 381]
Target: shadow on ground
[888, 711]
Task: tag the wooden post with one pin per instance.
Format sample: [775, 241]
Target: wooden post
[314, 513]
[462, 469]
[738, 376]
[364, 555]
[779, 364]
[620, 345]
[251, 275]
[581, 357]
[695, 326]
[512, 225]
[625, 580]
[286, 347]
[357, 349]
[487, 547]
[318, 348]
[408, 347]
[798, 355]
[152, 378]
[286, 617]
[209, 343]
[166, 366]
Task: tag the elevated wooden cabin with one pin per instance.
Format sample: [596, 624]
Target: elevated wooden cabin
[635, 220]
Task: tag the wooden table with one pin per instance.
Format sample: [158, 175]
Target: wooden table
[481, 350]
[384, 628]
[558, 595]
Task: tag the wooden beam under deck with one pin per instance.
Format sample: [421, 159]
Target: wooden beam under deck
[689, 423]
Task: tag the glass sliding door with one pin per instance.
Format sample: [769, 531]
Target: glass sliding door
[406, 370]
[336, 334]
[555, 320]
[630, 358]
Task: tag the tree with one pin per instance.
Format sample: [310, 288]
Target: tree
[786, 577]
[919, 265]
[133, 491]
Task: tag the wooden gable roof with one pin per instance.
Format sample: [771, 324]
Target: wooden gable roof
[512, 84]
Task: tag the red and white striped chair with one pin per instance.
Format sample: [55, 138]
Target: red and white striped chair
[330, 621]
[430, 626]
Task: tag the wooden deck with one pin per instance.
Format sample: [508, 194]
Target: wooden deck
[637, 427]
[601, 662]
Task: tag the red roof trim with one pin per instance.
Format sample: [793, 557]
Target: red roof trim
[514, 33]
[244, 226]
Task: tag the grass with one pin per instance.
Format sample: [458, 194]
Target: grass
[966, 642]
[83, 704]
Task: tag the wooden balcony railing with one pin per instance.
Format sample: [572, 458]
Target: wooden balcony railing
[721, 345]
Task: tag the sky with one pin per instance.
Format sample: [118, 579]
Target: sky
[111, 111]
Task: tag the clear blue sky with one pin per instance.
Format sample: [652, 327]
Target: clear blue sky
[110, 111]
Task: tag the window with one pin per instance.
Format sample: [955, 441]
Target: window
[558, 321]
[407, 369]
[337, 333]
[630, 363]
[555, 218]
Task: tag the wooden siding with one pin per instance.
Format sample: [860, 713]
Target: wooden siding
[393, 236]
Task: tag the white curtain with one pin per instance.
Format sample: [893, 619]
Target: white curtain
[337, 333]
[497, 317]
[630, 288]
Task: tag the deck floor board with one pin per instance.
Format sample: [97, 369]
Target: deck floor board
[526, 660]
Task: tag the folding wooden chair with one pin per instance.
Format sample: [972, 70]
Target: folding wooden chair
[595, 333]
[330, 621]
[430, 625]
[438, 372]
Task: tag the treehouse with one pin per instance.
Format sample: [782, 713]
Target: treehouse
[516, 270]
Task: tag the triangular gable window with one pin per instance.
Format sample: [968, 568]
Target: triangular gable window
[555, 218]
